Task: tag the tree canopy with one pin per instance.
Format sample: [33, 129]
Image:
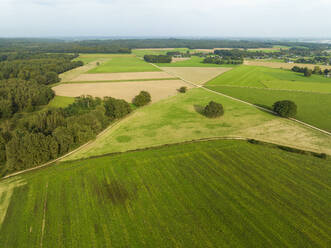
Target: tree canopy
[213, 110]
[285, 108]
[142, 99]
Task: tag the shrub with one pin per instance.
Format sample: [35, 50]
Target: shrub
[142, 99]
[182, 89]
[285, 108]
[116, 108]
[213, 110]
[321, 155]
[253, 141]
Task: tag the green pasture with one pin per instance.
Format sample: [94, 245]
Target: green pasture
[194, 61]
[207, 194]
[123, 64]
[61, 101]
[179, 118]
[264, 77]
[313, 108]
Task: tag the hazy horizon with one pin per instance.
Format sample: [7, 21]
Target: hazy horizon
[181, 18]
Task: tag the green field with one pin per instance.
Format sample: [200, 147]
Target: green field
[264, 86]
[263, 77]
[313, 108]
[178, 119]
[124, 64]
[61, 102]
[194, 61]
[207, 194]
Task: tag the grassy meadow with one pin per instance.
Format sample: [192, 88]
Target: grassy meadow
[264, 77]
[206, 194]
[194, 61]
[264, 86]
[123, 64]
[313, 108]
[179, 118]
[61, 102]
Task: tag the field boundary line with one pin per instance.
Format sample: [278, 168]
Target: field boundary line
[118, 121]
[247, 103]
[154, 147]
[272, 89]
[215, 138]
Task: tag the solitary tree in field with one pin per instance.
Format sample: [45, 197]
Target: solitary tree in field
[182, 89]
[285, 108]
[142, 99]
[213, 110]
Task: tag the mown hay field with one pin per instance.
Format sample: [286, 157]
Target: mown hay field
[179, 119]
[122, 90]
[120, 76]
[206, 194]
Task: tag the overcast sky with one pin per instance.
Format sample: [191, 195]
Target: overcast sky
[221, 18]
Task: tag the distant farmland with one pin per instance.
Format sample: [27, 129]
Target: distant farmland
[123, 64]
[207, 194]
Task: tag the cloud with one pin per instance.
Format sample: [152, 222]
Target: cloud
[170, 18]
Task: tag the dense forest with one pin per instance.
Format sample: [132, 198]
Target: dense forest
[36, 138]
[23, 80]
[42, 68]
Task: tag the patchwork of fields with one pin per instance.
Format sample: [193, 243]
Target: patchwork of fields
[207, 194]
[179, 119]
[159, 89]
[224, 193]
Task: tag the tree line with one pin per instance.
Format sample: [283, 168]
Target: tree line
[158, 58]
[33, 139]
[308, 72]
[42, 68]
[220, 60]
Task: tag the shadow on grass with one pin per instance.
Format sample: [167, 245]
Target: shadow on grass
[199, 109]
[264, 106]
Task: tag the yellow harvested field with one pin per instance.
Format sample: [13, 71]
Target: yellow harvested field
[123, 90]
[197, 75]
[282, 65]
[120, 76]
